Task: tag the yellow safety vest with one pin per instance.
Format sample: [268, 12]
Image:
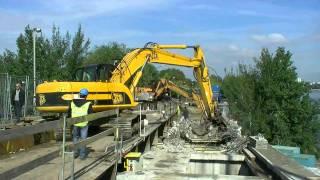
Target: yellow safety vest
[80, 111]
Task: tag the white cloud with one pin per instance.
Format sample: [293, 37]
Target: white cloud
[66, 14]
[233, 47]
[262, 14]
[273, 38]
[61, 11]
[220, 56]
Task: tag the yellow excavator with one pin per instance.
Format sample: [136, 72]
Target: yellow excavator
[164, 84]
[115, 89]
[144, 94]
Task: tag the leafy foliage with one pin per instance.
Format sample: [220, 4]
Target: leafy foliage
[215, 80]
[78, 52]
[8, 62]
[172, 74]
[150, 76]
[178, 78]
[107, 53]
[268, 99]
[56, 58]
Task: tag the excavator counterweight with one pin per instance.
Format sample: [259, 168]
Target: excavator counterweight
[115, 88]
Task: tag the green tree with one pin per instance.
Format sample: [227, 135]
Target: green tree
[51, 55]
[113, 51]
[107, 53]
[8, 62]
[172, 74]
[178, 78]
[24, 63]
[56, 58]
[268, 99]
[215, 80]
[284, 100]
[57, 54]
[77, 53]
[239, 88]
[150, 76]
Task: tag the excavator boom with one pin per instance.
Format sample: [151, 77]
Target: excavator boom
[165, 84]
[130, 69]
[118, 90]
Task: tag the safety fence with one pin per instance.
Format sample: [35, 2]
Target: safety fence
[7, 86]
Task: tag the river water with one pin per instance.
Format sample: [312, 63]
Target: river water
[315, 94]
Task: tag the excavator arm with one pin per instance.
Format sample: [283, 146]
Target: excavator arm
[165, 84]
[117, 91]
[130, 69]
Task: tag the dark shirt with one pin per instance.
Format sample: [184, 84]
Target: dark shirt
[21, 97]
[185, 113]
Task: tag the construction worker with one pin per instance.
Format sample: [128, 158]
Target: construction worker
[185, 113]
[178, 110]
[80, 107]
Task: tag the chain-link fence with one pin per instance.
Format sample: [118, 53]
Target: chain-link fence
[7, 86]
[5, 104]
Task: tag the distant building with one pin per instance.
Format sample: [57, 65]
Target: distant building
[299, 79]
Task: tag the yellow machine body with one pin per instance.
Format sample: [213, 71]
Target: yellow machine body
[118, 91]
[55, 96]
[165, 84]
[132, 161]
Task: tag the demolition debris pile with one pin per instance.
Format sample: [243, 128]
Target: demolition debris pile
[187, 130]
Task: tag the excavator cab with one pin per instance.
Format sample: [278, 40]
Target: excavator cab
[116, 90]
[94, 73]
[55, 96]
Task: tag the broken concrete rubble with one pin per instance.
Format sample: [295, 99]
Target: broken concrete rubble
[191, 130]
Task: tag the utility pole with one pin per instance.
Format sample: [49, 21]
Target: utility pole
[34, 34]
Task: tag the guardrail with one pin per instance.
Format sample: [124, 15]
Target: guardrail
[169, 108]
[11, 134]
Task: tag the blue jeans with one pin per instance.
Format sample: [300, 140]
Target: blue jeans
[80, 133]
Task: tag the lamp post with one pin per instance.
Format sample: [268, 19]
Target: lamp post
[34, 34]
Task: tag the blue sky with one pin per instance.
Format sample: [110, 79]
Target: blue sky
[230, 31]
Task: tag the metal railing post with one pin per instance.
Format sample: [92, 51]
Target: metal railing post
[9, 85]
[72, 165]
[142, 123]
[63, 146]
[71, 155]
[26, 90]
[140, 118]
